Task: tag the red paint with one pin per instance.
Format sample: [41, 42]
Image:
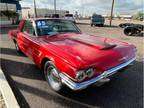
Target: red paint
[72, 52]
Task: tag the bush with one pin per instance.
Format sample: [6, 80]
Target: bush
[11, 15]
[139, 16]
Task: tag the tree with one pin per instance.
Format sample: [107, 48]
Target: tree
[10, 14]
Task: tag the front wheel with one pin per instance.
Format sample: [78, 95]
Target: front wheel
[52, 76]
[128, 32]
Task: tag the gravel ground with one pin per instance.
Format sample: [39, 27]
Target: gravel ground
[115, 22]
[2, 103]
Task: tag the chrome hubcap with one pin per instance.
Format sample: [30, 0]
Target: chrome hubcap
[53, 77]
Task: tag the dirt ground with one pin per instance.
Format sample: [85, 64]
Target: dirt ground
[115, 22]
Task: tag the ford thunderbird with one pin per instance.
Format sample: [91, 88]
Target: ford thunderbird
[69, 57]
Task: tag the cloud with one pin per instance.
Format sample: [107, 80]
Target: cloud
[89, 6]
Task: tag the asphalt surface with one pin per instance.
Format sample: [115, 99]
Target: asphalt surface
[32, 91]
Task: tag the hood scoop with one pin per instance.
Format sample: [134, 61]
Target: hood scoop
[88, 41]
[108, 46]
[99, 43]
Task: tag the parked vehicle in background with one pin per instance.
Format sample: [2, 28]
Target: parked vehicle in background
[55, 15]
[134, 29]
[97, 20]
[123, 25]
[70, 17]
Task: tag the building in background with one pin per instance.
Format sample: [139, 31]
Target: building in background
[10, 11]
[4, 6]
[125, 16]
[41, 12]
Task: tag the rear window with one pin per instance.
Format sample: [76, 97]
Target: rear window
[97, 16]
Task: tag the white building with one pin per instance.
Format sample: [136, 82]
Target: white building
[41, 12]
[126, 16]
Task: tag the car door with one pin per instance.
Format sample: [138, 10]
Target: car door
[22, 39]
[29, 42]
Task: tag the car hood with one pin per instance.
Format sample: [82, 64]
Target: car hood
[87, 50]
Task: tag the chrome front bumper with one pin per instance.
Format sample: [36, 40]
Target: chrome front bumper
[78, 86]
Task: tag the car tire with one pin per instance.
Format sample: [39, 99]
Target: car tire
[91, 25]
[128, 32]
[17, 48]
[52, 76]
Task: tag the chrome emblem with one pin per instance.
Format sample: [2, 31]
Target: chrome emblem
[124, 58]
[105, 74]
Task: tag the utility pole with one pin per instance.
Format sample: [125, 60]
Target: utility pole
[35, 11]
[7, 11]
[111, 17]
[55, 6]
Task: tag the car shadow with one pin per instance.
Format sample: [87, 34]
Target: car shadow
[10, 51]
[18, 95]
[59, 99]
[20, 69]
[123, 91]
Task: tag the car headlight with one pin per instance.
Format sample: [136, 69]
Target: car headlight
[90, 72]
[80, 76]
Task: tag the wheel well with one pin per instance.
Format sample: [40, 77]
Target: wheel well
[44, 60]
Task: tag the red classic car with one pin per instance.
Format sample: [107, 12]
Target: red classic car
[69, 57]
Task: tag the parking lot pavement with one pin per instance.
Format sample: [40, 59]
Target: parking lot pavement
[31, 90]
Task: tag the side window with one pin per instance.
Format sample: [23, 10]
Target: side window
[29, 28]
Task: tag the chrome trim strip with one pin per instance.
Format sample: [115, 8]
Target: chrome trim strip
[78, 86]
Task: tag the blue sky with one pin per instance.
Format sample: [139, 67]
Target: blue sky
[87, 7]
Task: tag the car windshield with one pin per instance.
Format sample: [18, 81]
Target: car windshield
[50, 27]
